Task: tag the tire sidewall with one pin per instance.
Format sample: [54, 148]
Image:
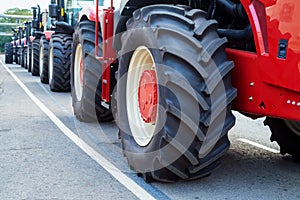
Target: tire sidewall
[41, 65]
[133, 39]
[35, 57]
[29, 61]
[85, 109]
[44, 46]
[75, 102]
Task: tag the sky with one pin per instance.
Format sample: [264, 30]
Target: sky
[6, 4]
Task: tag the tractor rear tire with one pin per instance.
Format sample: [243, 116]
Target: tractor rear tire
[85, 75]
[287, 134]
[19, 55]
[22, 56]
[29, 56]
[15, 50]
[187, 136]
[44, 58]
[35, 59]
[9, 53]
[25, 58]
[60, 49]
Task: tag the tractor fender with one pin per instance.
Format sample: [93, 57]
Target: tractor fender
[48, 34]
[63, 28]
[89, 13]
[23, 42]
[127, 7]
[18, 42]
[31, 38]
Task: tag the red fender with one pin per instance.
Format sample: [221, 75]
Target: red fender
[32, 38]
[48, 34]
[18, 42]
[24, 41]
[90, 13]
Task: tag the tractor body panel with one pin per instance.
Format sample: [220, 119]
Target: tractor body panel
[268, 81]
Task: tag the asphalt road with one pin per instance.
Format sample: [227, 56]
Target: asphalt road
[38, 161]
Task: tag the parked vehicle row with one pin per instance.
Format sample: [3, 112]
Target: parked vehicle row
[170, 73]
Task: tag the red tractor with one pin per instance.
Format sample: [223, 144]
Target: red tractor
[14, 51]
[36, 27]
[173, 71]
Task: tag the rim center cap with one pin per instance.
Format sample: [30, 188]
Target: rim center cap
[147, 96]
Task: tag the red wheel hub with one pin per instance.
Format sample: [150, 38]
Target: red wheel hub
[147, 96]
[81, 72]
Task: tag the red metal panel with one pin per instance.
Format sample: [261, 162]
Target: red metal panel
[31, 38]
[24, 41]
[269, 85]
[89, 12]
[48, 34]
[108, 53]
[109, 56]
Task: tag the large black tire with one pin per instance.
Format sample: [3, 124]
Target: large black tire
[9, 53]
[29, 56]
[22, 56]
[286, 134]
[60, 49]
[19, 53]
[44, 60]
[35, 59]
[195, 94]
[15, 52]
[84, 103]
[25, 57]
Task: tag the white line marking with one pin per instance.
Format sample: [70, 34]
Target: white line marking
[258, 145]
[108, 166]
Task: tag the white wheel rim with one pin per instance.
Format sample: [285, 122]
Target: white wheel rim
[50, 64]
[77, 72]
[41, 59]
[141, 60]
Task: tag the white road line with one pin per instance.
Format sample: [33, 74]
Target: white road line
[108, 166]
[258, 145]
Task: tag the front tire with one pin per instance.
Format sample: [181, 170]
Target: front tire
[15, 52]
[25, 57]
[22, 56]
[29, 56]
[9, 52]
[59, 62]
[85, 75]
[18, 55]
[35, 57]
[287, 134]
[176, 130]
[44, 58]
